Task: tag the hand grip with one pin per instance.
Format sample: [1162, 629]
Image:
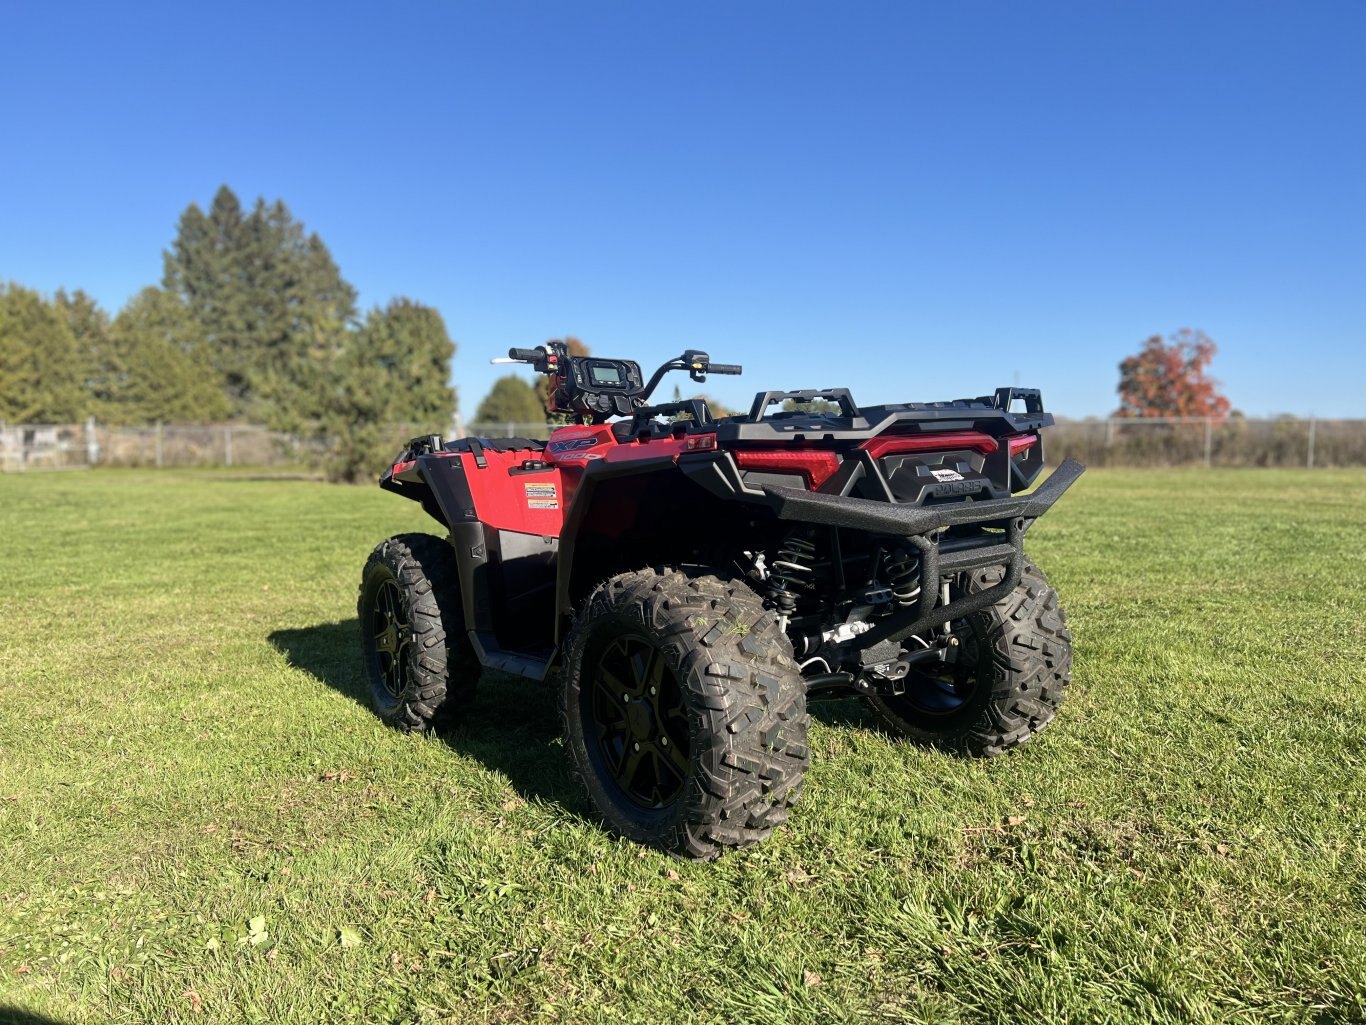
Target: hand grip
[528, 355]
[724, 368]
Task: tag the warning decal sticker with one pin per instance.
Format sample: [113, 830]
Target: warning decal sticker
[541, 496]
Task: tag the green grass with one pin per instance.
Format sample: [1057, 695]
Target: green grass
[184, 748]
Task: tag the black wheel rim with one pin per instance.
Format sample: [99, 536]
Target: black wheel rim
[392, 635]
[945, 692]
[638, 722]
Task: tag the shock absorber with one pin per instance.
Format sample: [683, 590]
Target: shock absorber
[789, 573]
[901, 567]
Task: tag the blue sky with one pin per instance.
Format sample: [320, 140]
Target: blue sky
[918, 201]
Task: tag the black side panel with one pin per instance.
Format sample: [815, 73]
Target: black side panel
[506, 578]
[445, 479]
[594, 474]
[627, 516]
[476, 589]
[525, 591]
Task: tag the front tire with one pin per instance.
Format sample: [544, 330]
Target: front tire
[684, 713]
[1011, 677]
[419, 665]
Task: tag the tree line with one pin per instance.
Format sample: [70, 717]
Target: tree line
[252, 321]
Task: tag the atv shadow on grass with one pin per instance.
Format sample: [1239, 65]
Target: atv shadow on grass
[847, 713]
[513, 726]
[18, 1016]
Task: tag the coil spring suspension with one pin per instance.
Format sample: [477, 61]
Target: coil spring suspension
[786, 575]
[902, 569]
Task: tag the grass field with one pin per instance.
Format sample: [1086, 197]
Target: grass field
[201, 822]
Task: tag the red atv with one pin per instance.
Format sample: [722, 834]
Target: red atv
[694, 580]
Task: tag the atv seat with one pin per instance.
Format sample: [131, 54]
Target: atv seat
[495, 444]
[510, 444]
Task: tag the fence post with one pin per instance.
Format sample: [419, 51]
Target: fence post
[1109, 432]
[1310, 461]
[92, 443]
[227, 446]
[1209, 438]
[158, 443]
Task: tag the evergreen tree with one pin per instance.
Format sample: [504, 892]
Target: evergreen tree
[157, 372]
[389, 383]
[511, 401]
[89, 325]
[270, 306]
[40, 375]
[203, 269]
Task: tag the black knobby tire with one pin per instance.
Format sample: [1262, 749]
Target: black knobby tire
[1014, 665]
[715, 758]
[419, 665]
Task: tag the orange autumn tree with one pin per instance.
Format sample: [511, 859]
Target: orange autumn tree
[1167, 378]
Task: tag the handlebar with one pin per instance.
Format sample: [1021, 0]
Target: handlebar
[554, 358]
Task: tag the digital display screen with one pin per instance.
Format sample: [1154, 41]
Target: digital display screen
[604, 373]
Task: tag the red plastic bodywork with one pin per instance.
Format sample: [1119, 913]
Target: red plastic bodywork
[597, 440]
[529, 503]
[507, 497]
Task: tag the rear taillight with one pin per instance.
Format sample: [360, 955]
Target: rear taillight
[700, 443]
[942, 441]
[814, 465]
[1022, 443]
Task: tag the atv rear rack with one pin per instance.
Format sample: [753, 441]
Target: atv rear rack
[886, 518]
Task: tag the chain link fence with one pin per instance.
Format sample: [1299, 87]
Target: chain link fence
[1285, 441]
[78, 446]
[1191, 441]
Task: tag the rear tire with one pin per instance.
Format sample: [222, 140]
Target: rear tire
[684, 713]
[419, 665]
[1015, 664]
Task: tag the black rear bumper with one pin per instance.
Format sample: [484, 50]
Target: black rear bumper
[921, 526]
[885, 518]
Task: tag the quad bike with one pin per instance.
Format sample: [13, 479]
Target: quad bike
[694, 580]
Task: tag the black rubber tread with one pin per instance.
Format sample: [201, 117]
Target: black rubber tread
[1024, 668]
[744, 697]
[442, 668]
